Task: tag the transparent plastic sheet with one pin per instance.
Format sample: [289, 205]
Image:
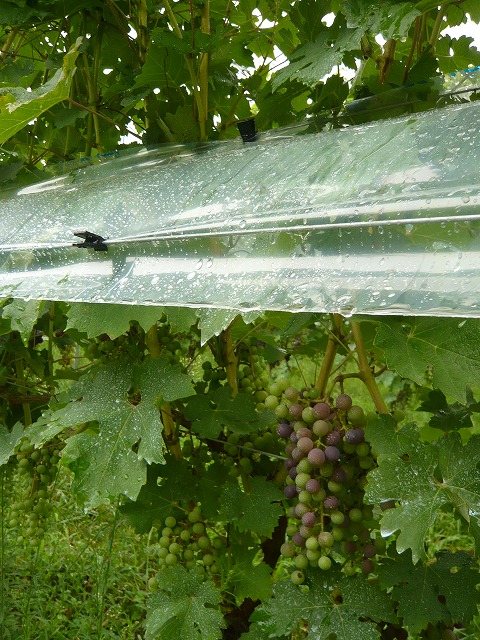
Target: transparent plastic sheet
[381, 218]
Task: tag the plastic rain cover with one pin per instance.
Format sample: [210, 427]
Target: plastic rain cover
[381, 218]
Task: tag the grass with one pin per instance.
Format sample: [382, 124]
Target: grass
[86, 580]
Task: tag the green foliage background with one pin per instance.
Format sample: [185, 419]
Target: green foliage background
[77, 76]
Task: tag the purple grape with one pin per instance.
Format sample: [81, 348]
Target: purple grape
[291, 394]
[296, 411]
[331, 503]
[290, 491]
[316, 457]
[321, 410]
[339, 475]
[293, 437]
[354, 436]
[289, 463]
[289, 448]
[332, 454]
[298, 455]
[333, 438]
[298, 540]
[304, 432]
[309, 519]
[350, 547]
[305, 531]
[284, 430]
[293, 473]
[367, 565]
[313, 486]
[305, 445]
[369, 551]
[343, 402]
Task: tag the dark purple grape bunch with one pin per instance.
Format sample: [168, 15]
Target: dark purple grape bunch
[327, 462]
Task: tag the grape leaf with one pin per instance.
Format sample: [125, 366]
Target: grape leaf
[447, 417]
[211, 412]
[441, 590]
[385, 437]
[157, 501]
[413, 483]
[105, 463]
[250, 578]
[172, 484]
[388, 17]
[314, 60]
[23, 315]
[450, 347]
[9, 440]
[185, 607]
[213, 321]
[257, 510]
[19, 106]
[112, 319]
[344, 607]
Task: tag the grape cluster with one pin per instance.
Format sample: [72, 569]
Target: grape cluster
[39, 469]
[327, 463]
[190, 543]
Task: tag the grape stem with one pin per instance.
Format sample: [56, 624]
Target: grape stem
[230, 360]
[335, 338]
[155, 350]
[365, 372]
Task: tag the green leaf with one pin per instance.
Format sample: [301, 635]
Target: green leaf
[441, 590]
[456, 54]
[9, 440]
[447, 417]
[184, 608]
[450, 347]
[314, 60]
[18, 106]
[211, 412]
[423, 481]
[105, 463]
[158, 379]
[334, 606]
[388, 17]
[257, 510]
[213, 321]
[23, 315]
[112, 319]
[250, 578]
[166, 486]
[386, 438]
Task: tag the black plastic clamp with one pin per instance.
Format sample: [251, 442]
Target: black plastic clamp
[90, 241]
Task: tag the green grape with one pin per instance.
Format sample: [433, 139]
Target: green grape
[301, 561]
[297, 577]
[152, 584]
[170, 522]
[171, 559]
[198, 528]
[324, 563]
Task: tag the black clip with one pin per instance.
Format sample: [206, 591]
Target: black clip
[247, 130]
[91, 241]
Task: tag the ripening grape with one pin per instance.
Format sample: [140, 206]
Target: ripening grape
[316, 457]
[343, 402]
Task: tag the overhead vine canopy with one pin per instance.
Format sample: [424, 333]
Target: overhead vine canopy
[77, 76]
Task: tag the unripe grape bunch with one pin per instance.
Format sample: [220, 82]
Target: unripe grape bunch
[188, 541]
[327, 463]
